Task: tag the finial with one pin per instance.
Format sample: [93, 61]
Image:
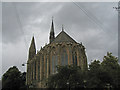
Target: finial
[62, 28]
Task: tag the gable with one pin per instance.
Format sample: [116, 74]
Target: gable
[63, 37]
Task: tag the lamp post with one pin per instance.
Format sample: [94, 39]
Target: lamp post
[24, 64]
[68, 85]
[84, 83]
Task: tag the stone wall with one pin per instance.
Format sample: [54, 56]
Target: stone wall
[40, 67]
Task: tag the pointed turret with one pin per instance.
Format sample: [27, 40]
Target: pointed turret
[32, 49]
[52, 34]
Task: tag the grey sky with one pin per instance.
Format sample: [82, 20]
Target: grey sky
[97, 28]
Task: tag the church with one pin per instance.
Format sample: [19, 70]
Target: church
[61, 50]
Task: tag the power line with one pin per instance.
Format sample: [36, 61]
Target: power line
[20, 24]
[93, 19]
[92, 16]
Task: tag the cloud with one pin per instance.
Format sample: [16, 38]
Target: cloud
[98, 32]
[13, 55]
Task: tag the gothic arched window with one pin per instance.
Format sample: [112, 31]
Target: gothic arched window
[54, 63]
[74, 57]
[64, 57]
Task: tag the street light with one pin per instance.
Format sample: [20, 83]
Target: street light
[24, 64]
[68, 85]
[84, 83]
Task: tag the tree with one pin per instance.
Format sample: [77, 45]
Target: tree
[23, 80]
[112, 68]
[105, 74]
[13, 78]
[67, 77]
[93, 80]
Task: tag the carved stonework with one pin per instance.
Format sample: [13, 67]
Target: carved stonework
[63, 50]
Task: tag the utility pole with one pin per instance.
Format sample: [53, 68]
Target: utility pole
[117, 8]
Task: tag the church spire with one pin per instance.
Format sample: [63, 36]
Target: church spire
[52, 36]
[32, 49]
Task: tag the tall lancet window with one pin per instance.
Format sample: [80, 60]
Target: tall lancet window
[54, 63]
[74, 57]
[64, 57]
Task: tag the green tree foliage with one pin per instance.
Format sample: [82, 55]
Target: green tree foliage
[66, 77]
[94, 70]
[112, 68]
[105, 74]
[13, 79]
[23, 80]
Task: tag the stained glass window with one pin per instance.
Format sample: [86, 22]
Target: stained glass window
[54, 63]
[64, 57]
[74, 58]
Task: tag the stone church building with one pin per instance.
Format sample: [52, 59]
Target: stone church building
[61, 50]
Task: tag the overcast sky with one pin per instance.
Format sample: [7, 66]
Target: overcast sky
[93, 24]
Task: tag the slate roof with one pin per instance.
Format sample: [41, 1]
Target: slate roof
[63, 37]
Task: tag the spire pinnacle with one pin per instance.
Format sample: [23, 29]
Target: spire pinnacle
[32, 49]
[32, 41]
[52, 36]
[52, 26]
